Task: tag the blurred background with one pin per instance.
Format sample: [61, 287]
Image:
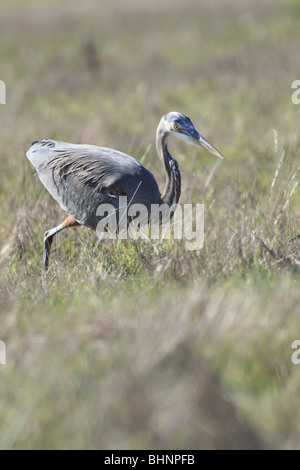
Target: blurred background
[138, 346]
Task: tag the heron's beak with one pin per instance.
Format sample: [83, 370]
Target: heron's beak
[199, 141]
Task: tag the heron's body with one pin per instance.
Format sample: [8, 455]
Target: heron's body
[83, 177]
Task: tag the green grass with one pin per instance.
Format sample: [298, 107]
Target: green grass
[138, 345]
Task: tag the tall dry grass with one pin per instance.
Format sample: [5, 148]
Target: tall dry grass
[138, 345]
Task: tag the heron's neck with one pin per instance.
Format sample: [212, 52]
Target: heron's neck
[172, 190]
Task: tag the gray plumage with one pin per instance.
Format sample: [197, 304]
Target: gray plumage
[82, 177]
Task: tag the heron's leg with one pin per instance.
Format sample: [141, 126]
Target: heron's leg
[48, 237]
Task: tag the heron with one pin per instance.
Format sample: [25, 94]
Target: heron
[82, 177]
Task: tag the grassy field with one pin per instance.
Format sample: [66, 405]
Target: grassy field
[137, 345]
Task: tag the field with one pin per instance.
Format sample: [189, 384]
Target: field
[138, 345]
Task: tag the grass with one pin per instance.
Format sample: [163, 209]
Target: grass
[134, 345]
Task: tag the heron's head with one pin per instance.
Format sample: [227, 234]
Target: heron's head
[181, 126]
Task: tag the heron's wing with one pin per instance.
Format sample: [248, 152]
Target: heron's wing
[81, 177]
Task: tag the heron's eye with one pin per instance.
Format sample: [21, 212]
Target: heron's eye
[176, 127]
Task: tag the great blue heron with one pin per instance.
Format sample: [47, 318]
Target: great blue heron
[82, 177]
